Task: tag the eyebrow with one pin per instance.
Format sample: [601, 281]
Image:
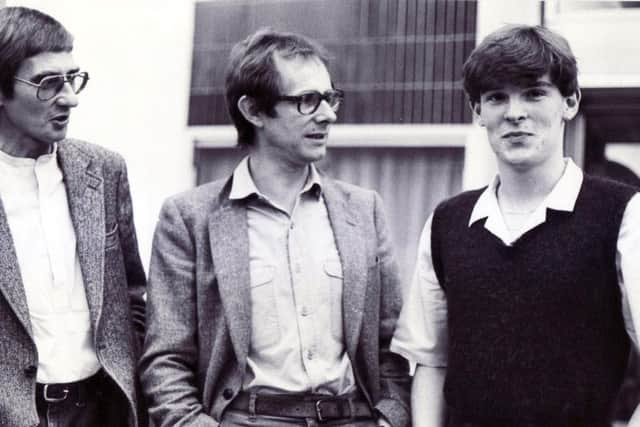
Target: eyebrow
[38, 77]
[536, 84]
[541, 83]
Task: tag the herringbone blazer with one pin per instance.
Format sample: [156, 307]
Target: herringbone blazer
[101, 212]
[198, 307]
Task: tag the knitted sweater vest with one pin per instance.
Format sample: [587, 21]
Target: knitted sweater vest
[535, 329]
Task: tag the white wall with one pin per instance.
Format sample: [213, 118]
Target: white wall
[138, 54]
[604, 41]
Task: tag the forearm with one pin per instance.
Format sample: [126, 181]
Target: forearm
[635, 418]
[427, 398]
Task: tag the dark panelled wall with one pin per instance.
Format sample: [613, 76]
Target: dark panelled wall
[399, 61]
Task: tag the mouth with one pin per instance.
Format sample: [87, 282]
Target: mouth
[516, 134]
[61, 119]
[317, 135]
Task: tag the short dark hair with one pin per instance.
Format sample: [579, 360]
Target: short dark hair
[25, 33]
[252, 72]
[520, 55]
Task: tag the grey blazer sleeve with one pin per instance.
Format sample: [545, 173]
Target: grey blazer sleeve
[135, 276]
[395, 381]
[170, 355]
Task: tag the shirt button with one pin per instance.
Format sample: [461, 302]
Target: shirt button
[309, 354]
[304, 311]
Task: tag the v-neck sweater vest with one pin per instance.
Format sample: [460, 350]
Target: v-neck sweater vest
[535, 329]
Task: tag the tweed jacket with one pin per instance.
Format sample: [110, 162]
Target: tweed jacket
[198, 305]
[101, 213]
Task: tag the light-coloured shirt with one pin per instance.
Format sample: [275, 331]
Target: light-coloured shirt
[35, 203]
[421, 332]
[297, 341]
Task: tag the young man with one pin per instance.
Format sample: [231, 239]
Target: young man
[525, 293]
[274, 293]
[71, 280]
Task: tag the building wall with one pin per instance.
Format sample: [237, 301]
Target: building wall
[399, 61]
[603, 37]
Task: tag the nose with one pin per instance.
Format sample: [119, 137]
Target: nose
[325, 114]
[67, 97]
[516, 110]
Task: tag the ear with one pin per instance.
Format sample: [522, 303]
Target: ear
[249, 110]
[571, 105]
[475, 110]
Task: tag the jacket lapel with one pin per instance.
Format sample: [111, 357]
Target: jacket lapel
[350, 242]
[11, 285]
[85, 194]
[229, 240]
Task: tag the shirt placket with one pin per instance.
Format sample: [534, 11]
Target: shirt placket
[48, 179]
[303, 297]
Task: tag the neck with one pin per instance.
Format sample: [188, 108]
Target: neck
[280, 182]
[17, 144]
[524, 190]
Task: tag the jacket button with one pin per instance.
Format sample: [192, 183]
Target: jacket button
[227, 393]
[30, 371]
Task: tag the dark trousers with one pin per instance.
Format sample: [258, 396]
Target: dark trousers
[86, 412]
[95, 404]
[454, 420]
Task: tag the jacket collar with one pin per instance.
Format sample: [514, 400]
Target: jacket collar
[84, 183]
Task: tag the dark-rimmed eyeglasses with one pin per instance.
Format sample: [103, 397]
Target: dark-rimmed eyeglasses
[50, 86]
[308, 102]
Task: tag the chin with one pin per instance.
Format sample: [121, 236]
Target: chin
[316, 155]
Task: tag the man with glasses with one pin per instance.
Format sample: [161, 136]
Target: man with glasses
[273, 294]
[71, 280]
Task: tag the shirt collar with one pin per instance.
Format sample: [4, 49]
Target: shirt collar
[562, 198]
[243, 186]
[28, 161]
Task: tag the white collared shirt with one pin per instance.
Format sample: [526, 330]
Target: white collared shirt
[421, 332]
[297, 342]
[35, 203]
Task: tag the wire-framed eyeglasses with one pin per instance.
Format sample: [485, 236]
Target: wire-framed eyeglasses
[308, 102]
[50, 86]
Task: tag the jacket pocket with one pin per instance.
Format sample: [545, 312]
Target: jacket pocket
[111, 238]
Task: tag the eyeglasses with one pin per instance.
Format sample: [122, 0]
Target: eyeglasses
[308, 102]
[50, 86]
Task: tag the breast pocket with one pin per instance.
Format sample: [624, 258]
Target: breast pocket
[265, 328]
[111, 238]
[333, 270]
